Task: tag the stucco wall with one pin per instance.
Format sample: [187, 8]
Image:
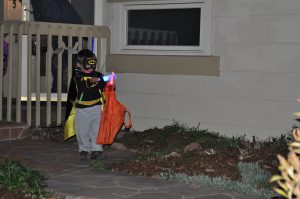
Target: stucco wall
[259, 47]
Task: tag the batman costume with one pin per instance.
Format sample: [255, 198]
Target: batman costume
[83, 113]
[87, 94]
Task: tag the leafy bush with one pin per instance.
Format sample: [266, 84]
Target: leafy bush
[16, 177]
[288, 183]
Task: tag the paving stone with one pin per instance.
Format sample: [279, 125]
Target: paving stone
[156, 195]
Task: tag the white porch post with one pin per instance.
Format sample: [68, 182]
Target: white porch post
[99, 19]
[100, 11]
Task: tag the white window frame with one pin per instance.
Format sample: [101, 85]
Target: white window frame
[119, 28]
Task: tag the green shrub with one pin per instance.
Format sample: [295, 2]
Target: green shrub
[99, 164]
[16, 177]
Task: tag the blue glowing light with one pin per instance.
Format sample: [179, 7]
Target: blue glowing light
[107, 78]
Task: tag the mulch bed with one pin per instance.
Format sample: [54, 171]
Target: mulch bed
[224, 162]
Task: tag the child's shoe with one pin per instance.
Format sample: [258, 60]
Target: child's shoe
[98, 155]
[84, 155]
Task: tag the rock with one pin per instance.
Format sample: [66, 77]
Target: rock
[118, 146]
[192, 147]
[133, 150]
[210, 151]
[240, 157]
[209, 170]
[172, 154]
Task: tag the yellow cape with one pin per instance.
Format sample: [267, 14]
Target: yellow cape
[70, 128]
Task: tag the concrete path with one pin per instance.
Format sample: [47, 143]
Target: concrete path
[75, 179]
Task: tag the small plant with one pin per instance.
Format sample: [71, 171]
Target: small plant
[210, 139]
[16, 177]
[281, 143]
[99, 164]
[175, 127]
[253, 175]
[254, 180]
[288, 183]
[154, 154]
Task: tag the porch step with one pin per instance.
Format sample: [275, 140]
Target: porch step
[14, 131]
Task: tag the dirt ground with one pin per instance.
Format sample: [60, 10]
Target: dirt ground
[155, 147]
[4, 194]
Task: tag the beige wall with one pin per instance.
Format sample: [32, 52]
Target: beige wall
[255, 94]
[183, 65]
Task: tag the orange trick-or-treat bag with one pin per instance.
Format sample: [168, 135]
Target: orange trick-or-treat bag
[113, 117]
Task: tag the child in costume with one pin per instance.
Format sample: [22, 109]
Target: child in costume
[85, 91]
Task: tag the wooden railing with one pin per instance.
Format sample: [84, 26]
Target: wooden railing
[22, 83]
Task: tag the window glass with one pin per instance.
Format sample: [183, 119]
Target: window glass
[164, 27]
[173, 27]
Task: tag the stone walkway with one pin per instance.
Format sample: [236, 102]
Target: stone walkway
[75, 179]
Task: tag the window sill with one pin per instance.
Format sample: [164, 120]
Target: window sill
[159, 64]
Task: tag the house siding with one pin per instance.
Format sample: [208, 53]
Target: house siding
[259, 47]
[163, 64]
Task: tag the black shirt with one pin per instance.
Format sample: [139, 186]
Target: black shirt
[82, 90]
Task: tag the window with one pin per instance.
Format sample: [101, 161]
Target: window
[162, 27]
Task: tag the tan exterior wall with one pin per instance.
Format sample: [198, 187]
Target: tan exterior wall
[183, 65]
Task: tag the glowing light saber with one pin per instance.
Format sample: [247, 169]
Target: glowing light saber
[110, 78]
